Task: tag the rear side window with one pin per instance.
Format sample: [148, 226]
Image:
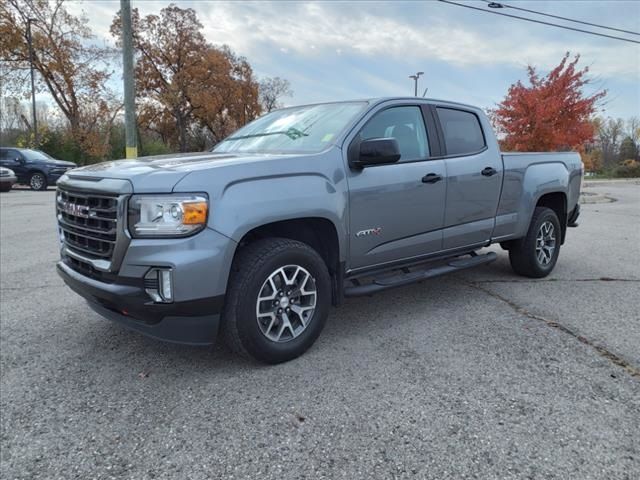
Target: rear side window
[9, 154]
[462, 131]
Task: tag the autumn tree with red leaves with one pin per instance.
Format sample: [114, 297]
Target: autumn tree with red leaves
[552, 113]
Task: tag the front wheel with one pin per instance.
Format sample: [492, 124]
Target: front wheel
[38, 181]
[277, 301]
[536, 254]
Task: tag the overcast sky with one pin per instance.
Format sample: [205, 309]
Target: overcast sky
[341, 50]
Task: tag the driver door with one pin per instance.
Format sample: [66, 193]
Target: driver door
[397, 210]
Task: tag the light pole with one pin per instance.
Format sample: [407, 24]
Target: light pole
[415, 82]
[33, 84]
[131, 146]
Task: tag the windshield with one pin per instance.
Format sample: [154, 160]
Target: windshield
[35, 155]
[306, 129]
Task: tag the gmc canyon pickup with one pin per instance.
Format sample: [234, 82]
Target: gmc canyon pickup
[301, 208]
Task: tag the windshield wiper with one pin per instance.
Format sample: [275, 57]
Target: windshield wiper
[292, 133]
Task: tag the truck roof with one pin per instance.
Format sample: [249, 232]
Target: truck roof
[377, 100]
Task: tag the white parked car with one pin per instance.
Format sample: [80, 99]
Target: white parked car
[7, 179]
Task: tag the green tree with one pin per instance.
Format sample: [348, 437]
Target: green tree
[628, 150]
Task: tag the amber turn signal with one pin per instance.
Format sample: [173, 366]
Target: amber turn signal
[195, 213]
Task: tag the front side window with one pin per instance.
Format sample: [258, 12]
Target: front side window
[35, 155]
[306, 129]
[462, 131]
[406, 125]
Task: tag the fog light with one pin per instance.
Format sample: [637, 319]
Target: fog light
[158, 283]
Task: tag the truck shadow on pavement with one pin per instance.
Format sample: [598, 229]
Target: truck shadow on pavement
[362, 320]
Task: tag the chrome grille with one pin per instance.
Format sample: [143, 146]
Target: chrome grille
[88, 224]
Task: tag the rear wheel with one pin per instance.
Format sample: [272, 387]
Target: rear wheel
[37, 181]
[537, 253]
[278, 300]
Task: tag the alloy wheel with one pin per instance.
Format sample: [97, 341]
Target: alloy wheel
[37, 181]
[545, 243]
[286, 303]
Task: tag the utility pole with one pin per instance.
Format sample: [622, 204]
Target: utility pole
[415, 82]
[129, 86]
[33, 84]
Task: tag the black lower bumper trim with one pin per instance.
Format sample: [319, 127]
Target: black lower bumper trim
[192, 330]
[194, 321]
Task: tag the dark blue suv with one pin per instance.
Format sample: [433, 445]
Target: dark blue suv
[33, 167]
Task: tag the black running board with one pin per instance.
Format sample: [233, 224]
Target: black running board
[354, 288]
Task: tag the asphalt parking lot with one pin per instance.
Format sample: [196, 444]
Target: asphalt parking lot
[482, 374]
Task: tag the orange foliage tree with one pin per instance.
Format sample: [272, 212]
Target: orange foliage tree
[551, 113]
[184, 84]
[70, 68]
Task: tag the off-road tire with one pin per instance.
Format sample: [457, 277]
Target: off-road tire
[252, 266]
[522, 253]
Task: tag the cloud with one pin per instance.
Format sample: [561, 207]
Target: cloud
[333, 50]
[429, 31]
[439, 35]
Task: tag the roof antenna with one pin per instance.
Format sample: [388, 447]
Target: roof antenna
[425, 92]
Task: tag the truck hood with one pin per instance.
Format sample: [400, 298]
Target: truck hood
[162, 172]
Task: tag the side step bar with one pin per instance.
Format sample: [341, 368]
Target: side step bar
[405, 277]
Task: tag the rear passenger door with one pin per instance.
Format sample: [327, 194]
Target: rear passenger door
[474, 178]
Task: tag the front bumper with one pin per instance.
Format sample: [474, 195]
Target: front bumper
[200, 267]
[193, 322]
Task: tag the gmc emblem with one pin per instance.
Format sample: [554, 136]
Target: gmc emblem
[75, 209]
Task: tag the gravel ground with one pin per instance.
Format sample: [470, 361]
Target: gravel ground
[481, 374]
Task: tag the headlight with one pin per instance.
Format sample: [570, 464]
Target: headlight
[170, 215]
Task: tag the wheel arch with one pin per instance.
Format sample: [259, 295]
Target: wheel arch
[319, 233]
[556, 201]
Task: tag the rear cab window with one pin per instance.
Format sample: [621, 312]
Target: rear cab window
[462, 131]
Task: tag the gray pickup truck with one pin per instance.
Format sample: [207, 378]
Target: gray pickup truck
[303, 207]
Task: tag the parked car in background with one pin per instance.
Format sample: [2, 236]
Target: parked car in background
[33, 167]
[7, 179]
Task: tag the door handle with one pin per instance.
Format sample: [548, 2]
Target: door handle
[489, 171]
[431, 178]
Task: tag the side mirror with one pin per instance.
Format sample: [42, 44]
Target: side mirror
[19, 160]
[377, 151]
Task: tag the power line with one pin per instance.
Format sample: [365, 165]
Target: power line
[541, 22]
[504, 5]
